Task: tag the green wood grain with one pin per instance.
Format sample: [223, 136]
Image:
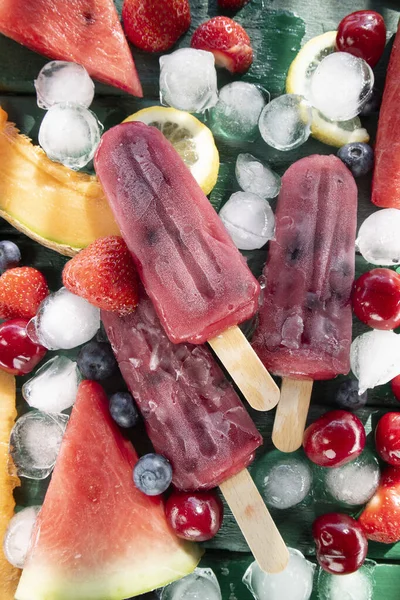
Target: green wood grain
[277, 29]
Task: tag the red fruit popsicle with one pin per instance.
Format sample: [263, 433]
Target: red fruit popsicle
[198, 281]
[386, 179]
[305, 320]
[194, 418]
[193, 415]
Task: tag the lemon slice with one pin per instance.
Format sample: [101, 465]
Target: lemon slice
[193, 141]
[298, 82]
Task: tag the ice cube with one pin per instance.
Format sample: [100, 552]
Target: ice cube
[255, 177]
[341, 85]
[355, 586]
[375, 358]
[202, 584]
[188, 80]
[70, 134]
[356, 482]
[249, 220]
[34, 443]
[237, 112]
[64, 321]
[18, 535]
[295, 582]
[54, 386]
[61, 81]
[378, 237]
[285, 123]
[286, 482]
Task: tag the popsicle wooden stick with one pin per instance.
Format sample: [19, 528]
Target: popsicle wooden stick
[246, 369]
[255, 522]
[291, 414]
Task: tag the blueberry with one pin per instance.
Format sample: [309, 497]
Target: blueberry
[123, 409]
[358, 157]
[96, 361]
[373, 104]
[9, 255]
[347, 396]
[152, 474]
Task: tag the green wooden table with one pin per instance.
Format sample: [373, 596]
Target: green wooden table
[277, 29]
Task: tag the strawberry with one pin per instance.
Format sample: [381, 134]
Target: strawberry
[21, 291]
[155, 26]
[104, 274]
[381, 517]
[232, 4]
[227, 40]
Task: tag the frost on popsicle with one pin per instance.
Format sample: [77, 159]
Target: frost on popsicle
[202, 584]
[54, 386]
[18, 535]
[294, 582]
[35, 442]
[236, 114]
[249, 220]
[255, 177]
[378, 237]
[375, 358]
[188, 80]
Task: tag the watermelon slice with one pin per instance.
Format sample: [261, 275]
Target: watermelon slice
[386, 180]
[83, 31]
[97, 536]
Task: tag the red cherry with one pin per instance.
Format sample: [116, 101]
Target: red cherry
[363, 34]
[334, 439]
[376, 299]
[395, 383]
[18, 354]
[195, 516]
[341, 543]
[387, 438]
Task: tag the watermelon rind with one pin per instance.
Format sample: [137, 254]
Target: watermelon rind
[123, 582]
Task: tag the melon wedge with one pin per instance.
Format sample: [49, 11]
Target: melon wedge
[97, 536]
[9, 575]
[51, 204]
[83, 31]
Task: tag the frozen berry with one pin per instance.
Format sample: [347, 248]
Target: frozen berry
[10, 255]
[358, 157]
[376, 299]
[347, 396]
[362, 34]
[341, 543]
[18, 354]
[373, 104]
[123, 409]
[334, 439]
[195, 516]
[387, 438]
[152, 474]
[96, 361]
[395, 383]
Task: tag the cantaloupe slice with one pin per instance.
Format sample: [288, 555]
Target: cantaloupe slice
[51, 204]
[9, 575]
